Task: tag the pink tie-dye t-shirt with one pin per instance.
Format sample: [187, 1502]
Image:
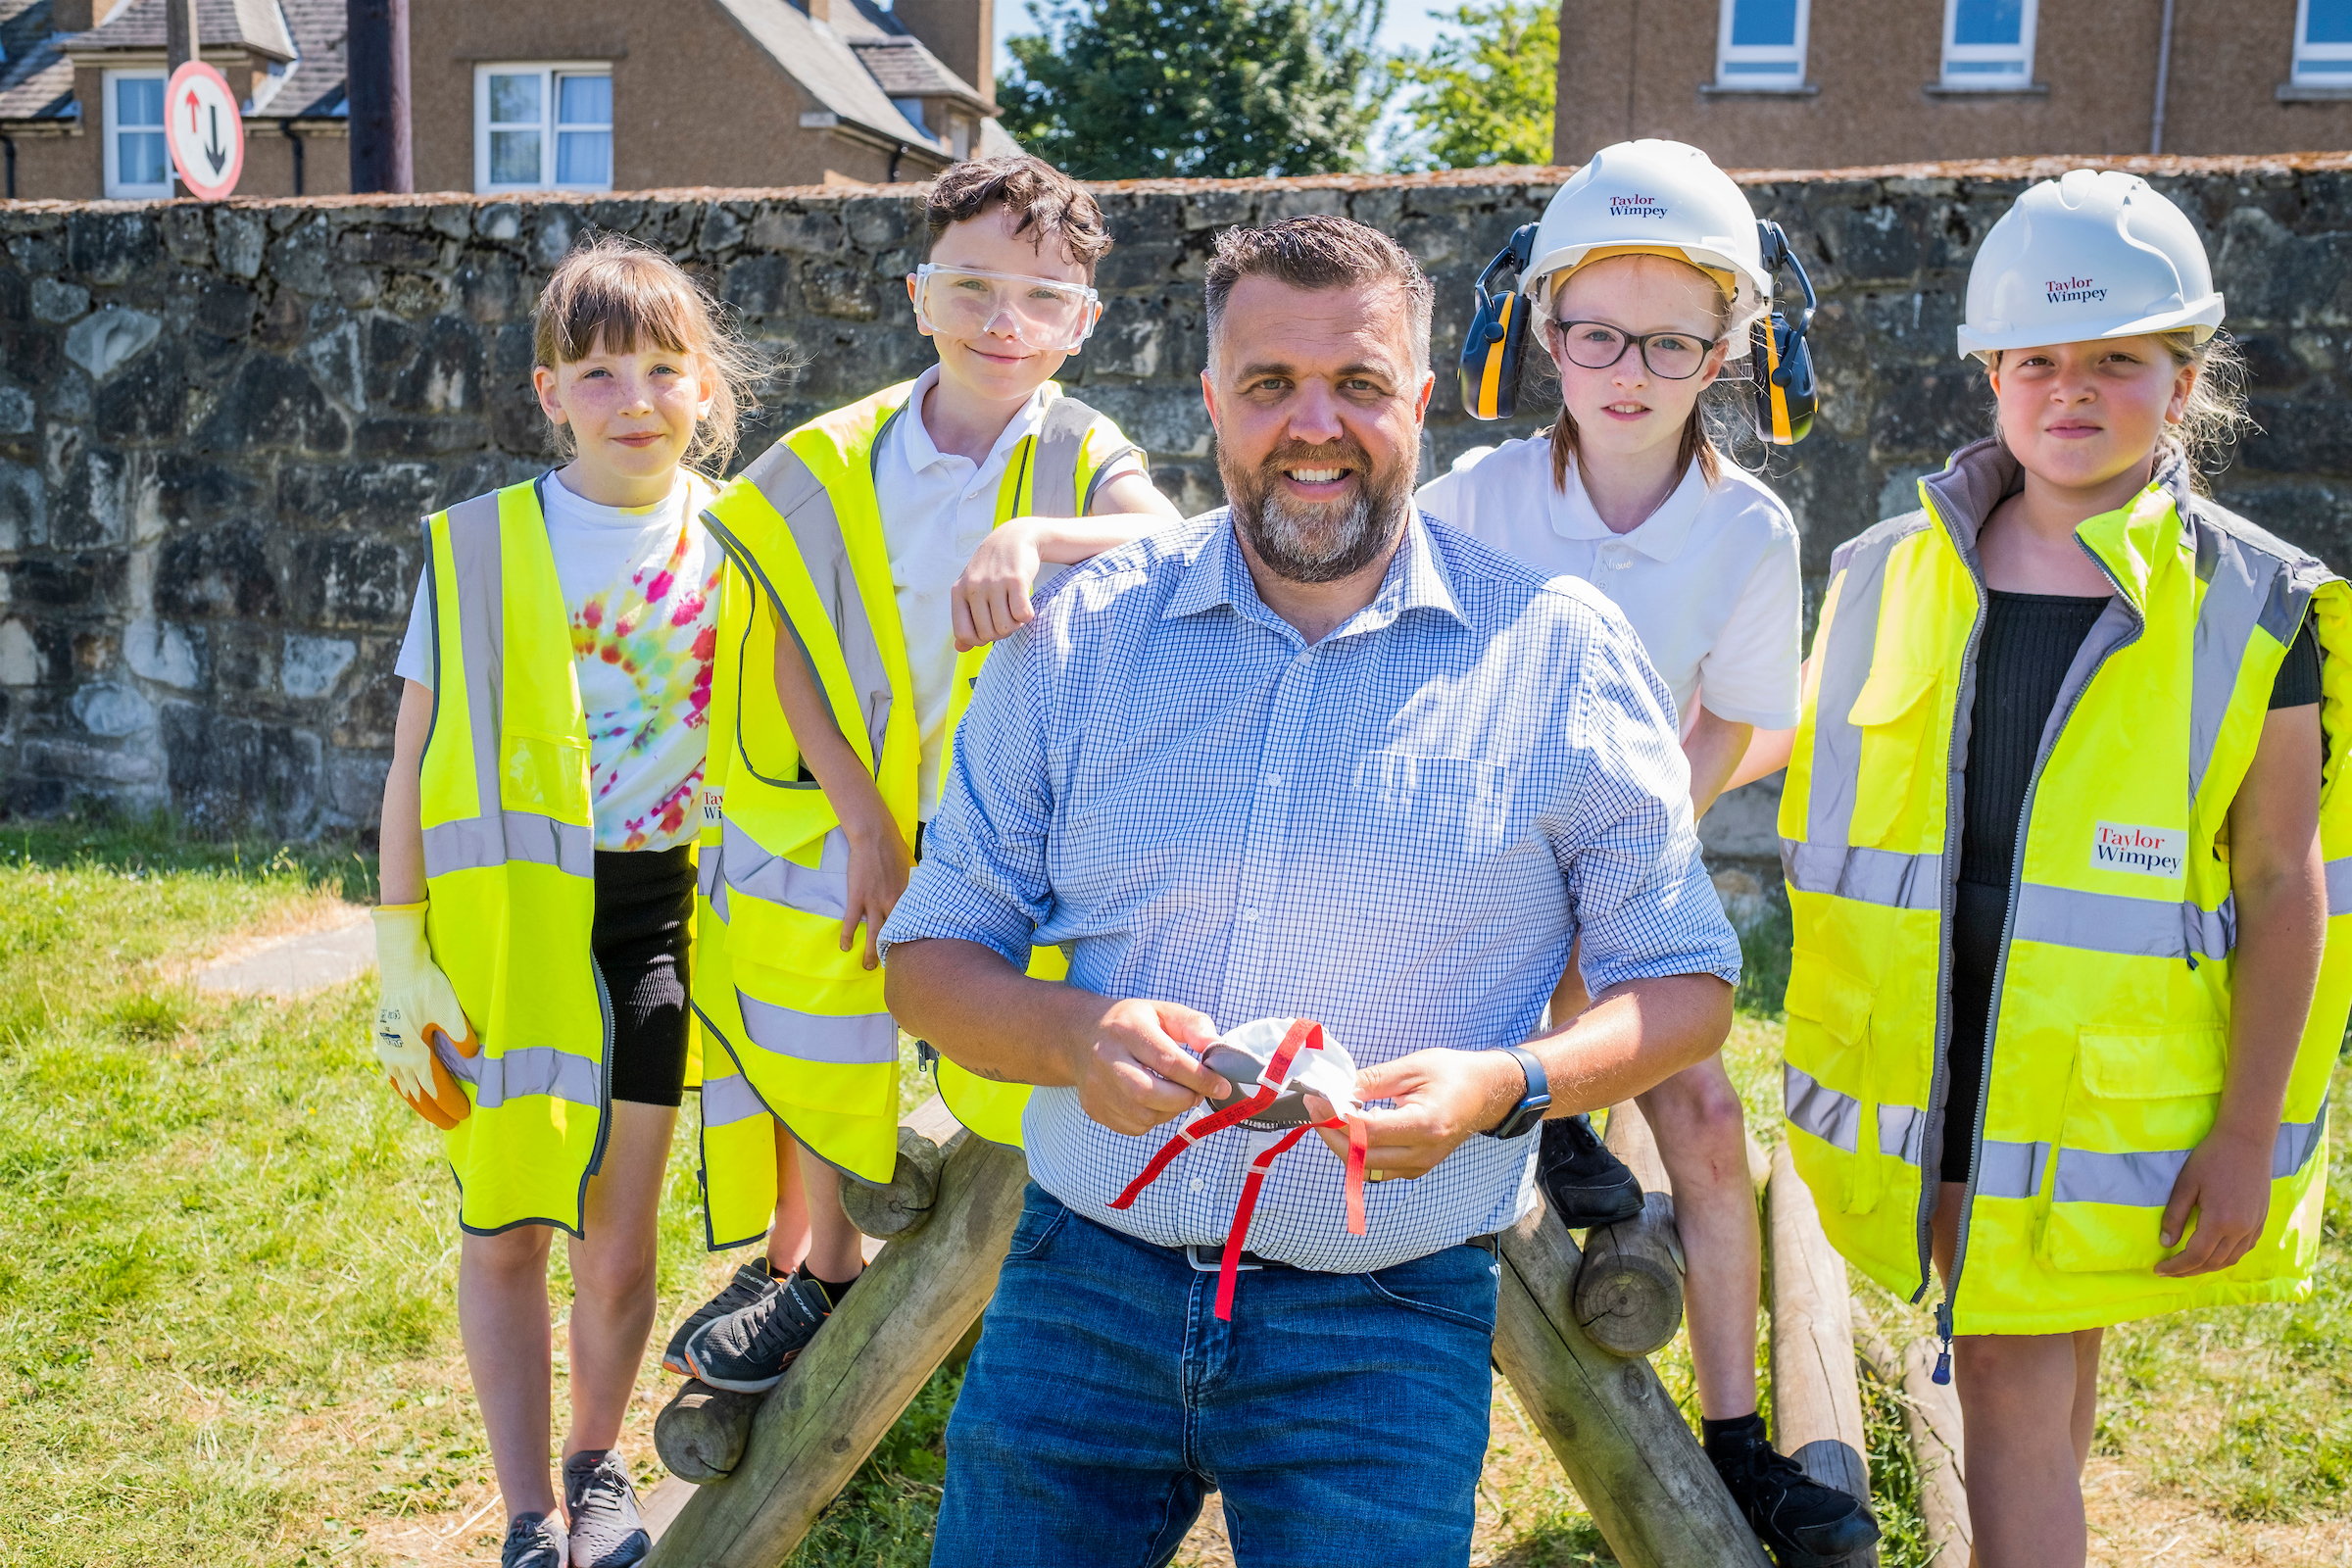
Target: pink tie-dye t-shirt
[640, 586]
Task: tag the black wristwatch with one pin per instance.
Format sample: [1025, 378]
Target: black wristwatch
[1532, 1105]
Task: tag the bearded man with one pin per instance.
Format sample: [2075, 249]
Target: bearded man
[1311, 756]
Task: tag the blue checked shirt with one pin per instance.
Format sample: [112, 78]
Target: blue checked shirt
[1397, 831]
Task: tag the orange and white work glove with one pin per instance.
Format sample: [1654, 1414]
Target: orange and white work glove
[418, 1002]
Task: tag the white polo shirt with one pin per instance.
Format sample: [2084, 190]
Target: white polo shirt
[936, 509]
[1709, 580]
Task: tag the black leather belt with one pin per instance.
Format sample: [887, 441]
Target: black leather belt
[1210, 1259]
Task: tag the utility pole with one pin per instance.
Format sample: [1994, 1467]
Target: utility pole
[375, 58]
[180, 33]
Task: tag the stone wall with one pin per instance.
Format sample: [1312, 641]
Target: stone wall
[220, 425]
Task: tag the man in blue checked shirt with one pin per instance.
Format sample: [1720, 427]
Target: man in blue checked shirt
[1312, 755]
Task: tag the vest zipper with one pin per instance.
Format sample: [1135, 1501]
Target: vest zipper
[2000, 970]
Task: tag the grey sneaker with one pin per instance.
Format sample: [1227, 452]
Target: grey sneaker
[747, 1350]
[534, 1541]
[751, 1282]
[606, 1532]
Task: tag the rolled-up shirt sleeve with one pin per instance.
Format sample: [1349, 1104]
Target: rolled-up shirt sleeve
[983, 873]
[1643, 903]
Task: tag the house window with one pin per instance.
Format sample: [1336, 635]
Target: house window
[543, 127]
[136, 164]
[912, 109]
[1761, 43]
[2323, 44]
[1987, 43]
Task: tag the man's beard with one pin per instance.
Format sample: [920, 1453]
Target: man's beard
[1316, 543]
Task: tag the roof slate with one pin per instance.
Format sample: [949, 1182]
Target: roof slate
[37, 80]
[821, 61]
[251, 24]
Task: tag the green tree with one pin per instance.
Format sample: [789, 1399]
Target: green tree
[1125, 89]
[1483, 92]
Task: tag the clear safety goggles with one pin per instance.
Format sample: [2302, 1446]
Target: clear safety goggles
[1039, 310]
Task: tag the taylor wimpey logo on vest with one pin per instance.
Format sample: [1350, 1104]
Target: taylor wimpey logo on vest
[2143, 851]
[1636, 207]
[2073, 291]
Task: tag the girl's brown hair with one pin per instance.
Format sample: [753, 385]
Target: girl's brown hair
[1697, 444]
[612, 293]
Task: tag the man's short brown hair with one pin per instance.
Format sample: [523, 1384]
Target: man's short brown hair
[1319, 252]
[1046, 202]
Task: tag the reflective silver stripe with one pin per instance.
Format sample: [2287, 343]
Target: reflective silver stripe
[755, 872]
[473, 842]
[1054, 492]
[709, 878]
[2240, 583]
[1902, 1133]
[1870, 876]
[481, 599]
[1837, 777]
[529, 1070]
[860, 1040]
[788, 486]
[2145, 1180]
[2010, 1170]
[2109, 923]
[728, 1101]
[2340, 887]
[1834, 1117]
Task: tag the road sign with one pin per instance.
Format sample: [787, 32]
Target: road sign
[204, 130]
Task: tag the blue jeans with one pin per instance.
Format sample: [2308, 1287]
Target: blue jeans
[1344, 1416]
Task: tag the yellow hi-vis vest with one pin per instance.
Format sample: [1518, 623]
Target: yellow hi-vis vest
[509, 867]
[2111, 1003]
[807, 1040]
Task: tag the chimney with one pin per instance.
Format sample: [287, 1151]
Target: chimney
[961, 32]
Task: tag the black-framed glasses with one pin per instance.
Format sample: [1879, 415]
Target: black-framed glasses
[1670, 356]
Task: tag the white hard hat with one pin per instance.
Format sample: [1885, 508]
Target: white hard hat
[2095, 254]
[1658, 198]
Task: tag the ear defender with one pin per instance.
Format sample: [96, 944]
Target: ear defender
[1782, 361]
[1497, 341]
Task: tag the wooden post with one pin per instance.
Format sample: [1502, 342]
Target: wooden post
[1759, 1163]
[1816, 1399]
[815, 1428]
[1626, 1451]
[701, 1433]
[900, 1208]
[1628, 1288]
[1931, 1422]
[375, 62]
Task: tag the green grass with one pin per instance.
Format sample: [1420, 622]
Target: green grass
[227, 1263]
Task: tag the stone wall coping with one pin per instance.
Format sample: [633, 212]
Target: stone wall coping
[1985, 169]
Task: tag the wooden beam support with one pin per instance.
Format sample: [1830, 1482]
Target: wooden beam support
[1625, 1446]
[1816, 1397]
[1932, 1423]
[815, 1428]
[1628, 1288]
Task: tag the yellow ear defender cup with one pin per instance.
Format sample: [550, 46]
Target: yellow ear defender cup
[1496, 342]
[1781, 361]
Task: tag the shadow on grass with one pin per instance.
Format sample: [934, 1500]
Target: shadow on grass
[165, 843]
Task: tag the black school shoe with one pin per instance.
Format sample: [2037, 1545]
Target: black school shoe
[1804, 1523]
[751, 1282]
[747, 1350]
[1583, 1182]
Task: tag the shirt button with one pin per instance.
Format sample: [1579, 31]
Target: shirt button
[1196, 1185]
[1273, 778]
[1249, 915]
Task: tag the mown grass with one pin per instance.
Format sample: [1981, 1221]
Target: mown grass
[228, 1259]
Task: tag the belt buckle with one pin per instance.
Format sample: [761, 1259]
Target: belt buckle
[1216, 1260]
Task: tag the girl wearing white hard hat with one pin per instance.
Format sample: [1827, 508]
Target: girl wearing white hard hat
[2061, 826]
[1646, 274]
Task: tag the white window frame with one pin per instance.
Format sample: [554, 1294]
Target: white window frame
[546, 70]
[2319, 64]
[116, 189]
[1788, 61]
[1956, 57]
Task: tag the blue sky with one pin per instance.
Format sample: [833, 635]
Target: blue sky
[1408, 23]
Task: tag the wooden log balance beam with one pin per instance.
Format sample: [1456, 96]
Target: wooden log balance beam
[1816, 1397]
[1628, 1288]
[1932, 1423]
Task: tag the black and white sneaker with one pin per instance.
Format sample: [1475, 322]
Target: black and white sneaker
[747, 1350]
[1583, 1182]
[534, 1541]
[751, 1282]
[606, 1531]
[1804, 1523]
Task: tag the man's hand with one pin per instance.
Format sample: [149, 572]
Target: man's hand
[991, 599]
[879, 865]
[1140, 1065]
[2226, 1184]
[1443, 1098]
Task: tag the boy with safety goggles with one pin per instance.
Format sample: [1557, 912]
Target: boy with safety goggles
[873, 555]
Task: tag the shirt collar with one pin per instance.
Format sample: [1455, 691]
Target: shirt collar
[1661, 536]
[922, 451]
[1417, 578]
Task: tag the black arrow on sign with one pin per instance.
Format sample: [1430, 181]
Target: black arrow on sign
[216, 154]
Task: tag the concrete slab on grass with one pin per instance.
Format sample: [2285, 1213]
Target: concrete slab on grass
[298, 964]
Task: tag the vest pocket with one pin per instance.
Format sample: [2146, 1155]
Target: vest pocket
[544, 773]
[1900, 722]
[1826, 1066]
[2136, 1105]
